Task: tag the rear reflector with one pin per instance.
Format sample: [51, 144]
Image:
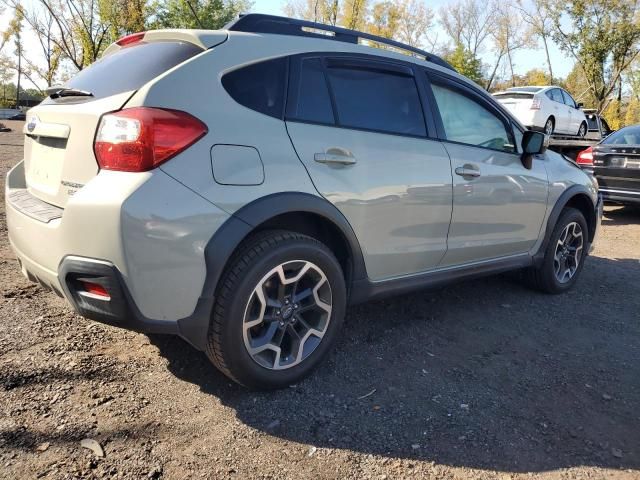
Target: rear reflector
[129, 39]
[585, 157]
[141, 138]
[95, 289]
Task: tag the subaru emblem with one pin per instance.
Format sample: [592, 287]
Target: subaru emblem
[33, 121]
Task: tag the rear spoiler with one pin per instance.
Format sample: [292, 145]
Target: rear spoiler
[204, 39]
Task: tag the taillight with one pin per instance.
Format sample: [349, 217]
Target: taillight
[585, 157]
[95, 289]
[141, 138]
[535, 104]
[129, 39]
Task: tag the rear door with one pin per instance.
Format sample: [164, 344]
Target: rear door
[59, 133]
[358, 125]
[498, 204]
[576, 116]
[559, 110]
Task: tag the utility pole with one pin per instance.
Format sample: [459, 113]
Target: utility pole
[19, 45]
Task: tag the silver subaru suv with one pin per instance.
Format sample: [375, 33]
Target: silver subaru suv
[241, 187]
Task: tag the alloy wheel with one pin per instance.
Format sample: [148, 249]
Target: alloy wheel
[548, 127]
[287, 315]
[582, 131]
[568, 252]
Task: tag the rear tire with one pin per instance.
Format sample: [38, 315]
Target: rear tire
[279, 308]
[549, 126]
[564, 255]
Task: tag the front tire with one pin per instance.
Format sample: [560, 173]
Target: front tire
[564, 255]
[278, 310]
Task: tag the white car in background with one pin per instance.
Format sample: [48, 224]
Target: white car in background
[549, 109]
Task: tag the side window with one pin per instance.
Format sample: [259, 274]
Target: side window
[568, 100]
[467, 121]
[556, 96]
[309, 99]
[376, 100]
[259, 87]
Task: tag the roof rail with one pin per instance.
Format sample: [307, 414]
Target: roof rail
[259, 23]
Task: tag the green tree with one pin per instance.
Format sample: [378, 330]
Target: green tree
[632, 115]
[206, 14]
[576, 84]
[602, 36]
[466, 63]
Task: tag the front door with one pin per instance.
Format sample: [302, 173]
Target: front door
[498, 204]
[358, 126]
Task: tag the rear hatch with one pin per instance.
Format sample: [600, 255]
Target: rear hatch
[515, 102]
[59, 133]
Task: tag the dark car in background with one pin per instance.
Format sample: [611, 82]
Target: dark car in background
[615, 162]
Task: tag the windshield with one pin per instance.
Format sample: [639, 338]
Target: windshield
[129, 68]
[624, 136]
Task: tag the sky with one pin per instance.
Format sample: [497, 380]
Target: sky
[524, 59]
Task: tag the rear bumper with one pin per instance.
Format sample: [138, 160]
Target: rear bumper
[118, 309]
[626, 197]
[141, 236]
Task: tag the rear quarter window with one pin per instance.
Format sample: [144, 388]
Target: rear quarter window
[260, 86]
[128, 69]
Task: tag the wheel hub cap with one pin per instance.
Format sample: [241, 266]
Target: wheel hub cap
[287, 315]
[568, 252]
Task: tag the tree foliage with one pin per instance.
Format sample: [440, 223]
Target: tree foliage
[602, 36]
[466, 63]
[205, 14]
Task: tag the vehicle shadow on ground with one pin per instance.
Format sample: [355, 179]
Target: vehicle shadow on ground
[621, 216]
[485, 374]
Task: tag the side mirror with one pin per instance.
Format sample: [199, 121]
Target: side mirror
[533, 143]
[580, 105]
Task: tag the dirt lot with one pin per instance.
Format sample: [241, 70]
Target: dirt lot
[485, 379]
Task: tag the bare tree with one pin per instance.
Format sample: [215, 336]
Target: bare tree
[320, 11]
[415, 23]
[508, 35]
[41, 23]
[80, 33]
[539, 20]
[468, 23]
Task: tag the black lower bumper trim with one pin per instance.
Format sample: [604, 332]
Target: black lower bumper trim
[119, 310]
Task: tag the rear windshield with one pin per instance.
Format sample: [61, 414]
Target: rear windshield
[592, 121]
[525, 89]
[128, 69]
[508, 96]
[625, 136]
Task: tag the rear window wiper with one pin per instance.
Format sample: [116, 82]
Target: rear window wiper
[55, 92]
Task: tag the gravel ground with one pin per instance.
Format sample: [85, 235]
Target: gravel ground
[485, 379]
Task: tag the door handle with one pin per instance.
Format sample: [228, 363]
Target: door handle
[468, 171]
[335, 156]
